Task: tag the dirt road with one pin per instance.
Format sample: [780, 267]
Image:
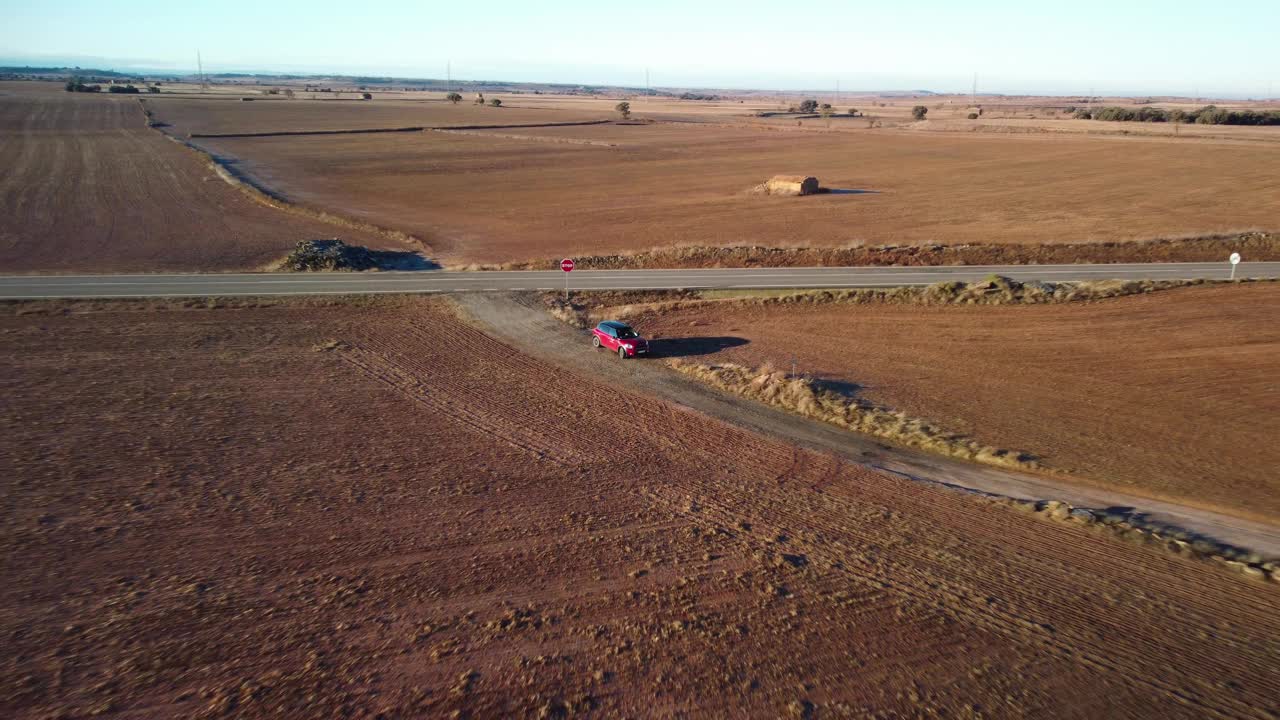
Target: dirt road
[1171, 394]
[518, 321]
[374, 509]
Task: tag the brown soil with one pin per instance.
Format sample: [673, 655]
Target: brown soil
[502, 199]
[1171, 393]
[316, 508]
[87, 187]
[230, 115]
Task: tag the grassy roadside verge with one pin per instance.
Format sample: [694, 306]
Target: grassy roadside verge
[590, 306]
[807, 398]
[1253, 244]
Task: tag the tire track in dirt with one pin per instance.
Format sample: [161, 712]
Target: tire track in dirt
[392, 542]
[909, 574]
[1045, 614]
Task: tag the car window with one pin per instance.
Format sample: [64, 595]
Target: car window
[626, 333]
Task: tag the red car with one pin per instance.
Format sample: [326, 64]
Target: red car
[620, 338]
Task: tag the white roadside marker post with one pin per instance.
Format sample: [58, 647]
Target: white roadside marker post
[1235, 260]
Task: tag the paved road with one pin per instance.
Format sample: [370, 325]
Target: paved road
[435, 281]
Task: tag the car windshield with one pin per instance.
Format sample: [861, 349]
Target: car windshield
[627, 333]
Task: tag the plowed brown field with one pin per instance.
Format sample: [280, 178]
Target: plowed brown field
[306, 509]
[231, 115]
[501, 198]
[1172, 393]
[87, 187]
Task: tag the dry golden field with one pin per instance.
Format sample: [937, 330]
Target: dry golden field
[1172, 394]
[528, 190]
[511, 195]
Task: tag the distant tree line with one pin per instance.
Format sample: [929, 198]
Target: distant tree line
[698, 96]
[78, 85]
[1207, 115]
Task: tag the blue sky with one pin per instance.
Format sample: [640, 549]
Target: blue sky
[1225, 49]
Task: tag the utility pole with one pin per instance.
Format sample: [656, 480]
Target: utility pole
[837, 92]
[204, 85]
[973, 94]
[646, 80]
[448, 75]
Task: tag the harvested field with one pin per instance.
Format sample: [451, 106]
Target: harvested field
[438, 536]
[1170, 394]
[494, 200]
[209, 115]
[87, 187]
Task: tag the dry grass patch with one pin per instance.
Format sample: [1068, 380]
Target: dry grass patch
[1252, 244]
[994, 290]
[805, 397]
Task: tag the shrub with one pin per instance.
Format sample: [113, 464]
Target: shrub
[316, 255]
[122, 89]
[366, 96]
[1207, 115]
[808, 106]
[824, 106]
[153, 89]
[918, 112]
[453, 97]
[1083, 115]
[624, 109]
[973, 116]
[853, 112]
[496, 102]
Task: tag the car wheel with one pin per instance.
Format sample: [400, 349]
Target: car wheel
[622, 353]
[595, 341]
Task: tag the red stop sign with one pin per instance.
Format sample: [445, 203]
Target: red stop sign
[566, 265]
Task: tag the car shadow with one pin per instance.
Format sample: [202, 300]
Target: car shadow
[840, 387]
[402, 260]
[692, 346]
[846, 191]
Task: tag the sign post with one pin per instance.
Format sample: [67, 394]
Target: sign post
[567, 266]
[1235, 260]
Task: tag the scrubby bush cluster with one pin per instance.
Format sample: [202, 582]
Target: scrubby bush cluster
[698, 96]
[321, 255]
[1207, 115]
[76, 85]
[123, 89]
